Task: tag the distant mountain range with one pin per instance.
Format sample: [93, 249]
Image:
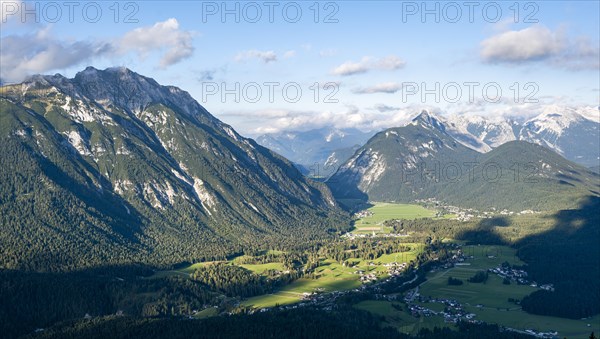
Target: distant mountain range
[425, 159]
[110, 164]
[317, 152]
[572, 133]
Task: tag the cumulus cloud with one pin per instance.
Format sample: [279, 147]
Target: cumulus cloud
[164, 36]
[367, 64]
[531, 43]
[42, 51]
[539, 43]
[264, 56]
[385, 87]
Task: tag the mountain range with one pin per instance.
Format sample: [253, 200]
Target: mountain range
[317, 152]
[112, 165]
[571, 132]
[425, 160]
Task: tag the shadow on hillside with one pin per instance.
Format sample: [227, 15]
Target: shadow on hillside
[567, 256]
[494, 222]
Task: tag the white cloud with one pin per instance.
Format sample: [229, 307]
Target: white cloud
[165, 36]
[41, 52]
[367, 64]
[383, 116]
[22, 55]
[264, 56]
[271, 121]
[390, 63]
[538, 43]
[289, 54]
[385, 87]
[350, 68]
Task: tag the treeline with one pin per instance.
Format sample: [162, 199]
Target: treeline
[299, 323]
[342, 322]
[479, 277]
[39, 300]
[237, 281]
[364, 248]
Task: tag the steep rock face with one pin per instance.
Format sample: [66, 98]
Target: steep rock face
[177, 182]
[400, 164]
[422, 160]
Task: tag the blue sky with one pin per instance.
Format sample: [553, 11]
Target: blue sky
[371, 60]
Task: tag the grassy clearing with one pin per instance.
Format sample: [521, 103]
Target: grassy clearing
[332, 276]
[186, 271]
[493, 295]
[207, 313]
[261, 268]
[388, 211]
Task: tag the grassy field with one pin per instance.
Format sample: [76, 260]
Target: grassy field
[207, 313]
[186, 271]
[493, 295]
[389, 211]
[292, 293]
[332, 276]
[261, 268]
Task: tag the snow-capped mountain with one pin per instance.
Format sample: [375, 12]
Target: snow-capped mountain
[423, 160]
[491, 132]
[572, 133]
[575, 134]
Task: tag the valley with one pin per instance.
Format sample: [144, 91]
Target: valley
[430, 303]
[299, 169]
[142, 214]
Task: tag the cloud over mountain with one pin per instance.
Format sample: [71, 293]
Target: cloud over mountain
[44, 51]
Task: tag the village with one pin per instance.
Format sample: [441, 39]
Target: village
[505, 271]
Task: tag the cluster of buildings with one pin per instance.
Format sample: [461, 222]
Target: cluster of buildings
[363, 214]
[466, 214]
[505, 271]
[537, 334]
[519, 276]
[367, 278]
[452, 313]
[395, 268]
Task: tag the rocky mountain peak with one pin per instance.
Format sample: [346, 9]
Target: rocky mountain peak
[427, 119]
